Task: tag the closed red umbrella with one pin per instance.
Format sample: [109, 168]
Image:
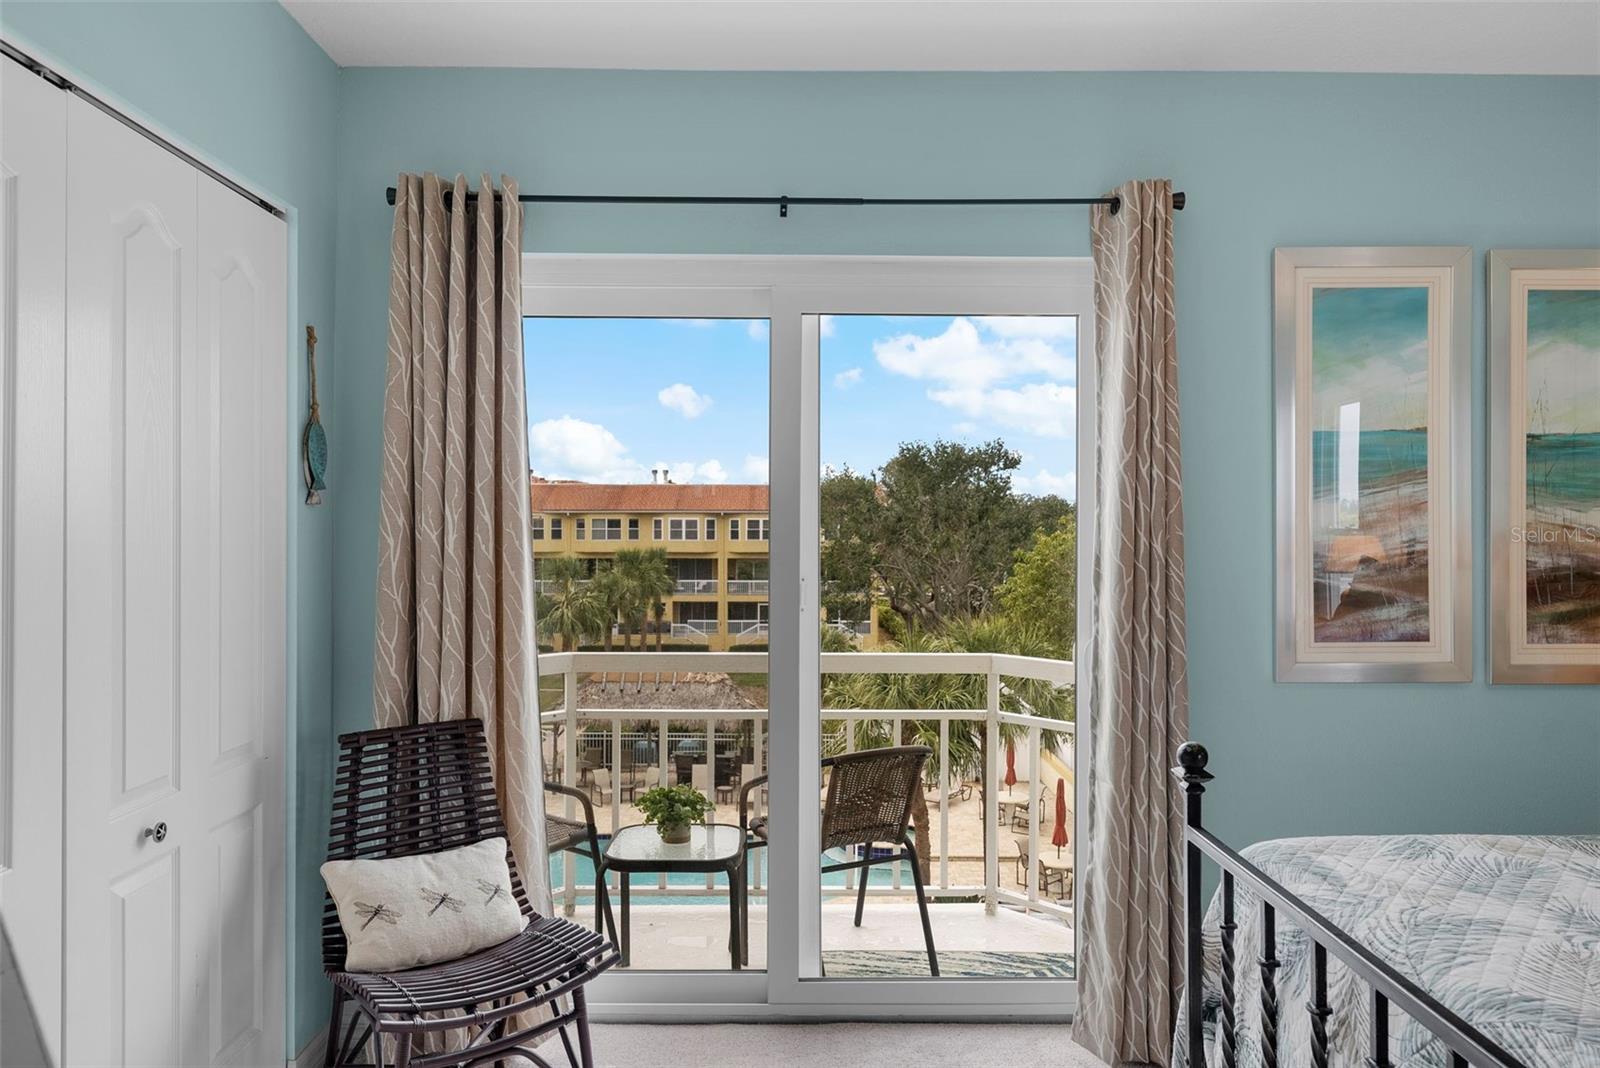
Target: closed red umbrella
[1059, 838]
[1011, 764]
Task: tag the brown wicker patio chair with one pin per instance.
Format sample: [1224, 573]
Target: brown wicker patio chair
[404, 791]
[572, 836]
[868, 802]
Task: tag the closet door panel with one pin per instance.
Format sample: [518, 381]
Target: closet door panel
[33, 159]
[137, 584]
[243, 320]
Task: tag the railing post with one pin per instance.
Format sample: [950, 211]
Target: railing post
[944, 804]
[569, 774]
[1035, 813]
[1191, 771]
[991, 800]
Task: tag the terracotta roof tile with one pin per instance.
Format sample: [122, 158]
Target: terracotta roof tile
[562, 496]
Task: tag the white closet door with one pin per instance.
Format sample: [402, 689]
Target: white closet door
[33, 220]
[175, 609]
[242, 320]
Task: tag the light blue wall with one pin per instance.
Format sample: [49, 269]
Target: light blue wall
[1267, 160]
[243, 85]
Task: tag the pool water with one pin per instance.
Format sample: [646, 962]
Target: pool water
[583, 877]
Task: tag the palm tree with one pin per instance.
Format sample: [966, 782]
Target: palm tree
[649, 580]
[610, 587]
[572, 609]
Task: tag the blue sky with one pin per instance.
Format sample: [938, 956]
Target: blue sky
[608, 399]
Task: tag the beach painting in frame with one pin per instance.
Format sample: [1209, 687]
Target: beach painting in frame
[1373, 439]
[1545, 466]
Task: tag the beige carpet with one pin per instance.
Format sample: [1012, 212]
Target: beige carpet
[819, 1045]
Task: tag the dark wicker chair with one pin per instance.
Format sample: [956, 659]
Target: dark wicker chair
[869, 801]
[571, 836]
[409, 790]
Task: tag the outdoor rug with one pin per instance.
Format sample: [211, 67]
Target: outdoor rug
[907, 962]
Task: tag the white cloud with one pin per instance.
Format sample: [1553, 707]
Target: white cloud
[989, 370]
[757, 329]
[962, 357]
[755, 468]
[966, 428]
[1043, 408]
[572, 448]
[711, 471]
[1039, 326]
[1042, 482]
[846, 379]
[685, 400]
[827, 326]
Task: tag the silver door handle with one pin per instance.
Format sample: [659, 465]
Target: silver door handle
[158, 832]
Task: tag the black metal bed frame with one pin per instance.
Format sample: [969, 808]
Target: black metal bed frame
[1466, 1044]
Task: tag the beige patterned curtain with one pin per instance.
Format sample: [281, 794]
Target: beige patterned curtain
[1130, 936]
[455, 590]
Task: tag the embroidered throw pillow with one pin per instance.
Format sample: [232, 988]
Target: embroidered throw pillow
[409, 911]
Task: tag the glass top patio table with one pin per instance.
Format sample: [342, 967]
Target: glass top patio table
[711, 847]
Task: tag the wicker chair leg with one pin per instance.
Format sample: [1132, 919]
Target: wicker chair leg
[377, 1050]
[922, 905]
[604, 918]
[330, 1056]
[580, 1012]
[402, 1051]
[861, 886]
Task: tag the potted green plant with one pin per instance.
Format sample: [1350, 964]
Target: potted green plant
[673, 808]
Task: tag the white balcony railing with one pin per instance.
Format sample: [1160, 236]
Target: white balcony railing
[748, 587]
[851, 626]
[689, 628]
[747, 630]
[551, 585]
[695, 586]
[995, 667]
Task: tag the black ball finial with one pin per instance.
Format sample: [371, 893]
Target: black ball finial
[1192, 757]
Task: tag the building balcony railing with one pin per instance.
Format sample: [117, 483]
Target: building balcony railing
[551, 585]
[662, 742]
[689, 628]
[695, 586]
[747, 630]
[851, 626]
[747, 587]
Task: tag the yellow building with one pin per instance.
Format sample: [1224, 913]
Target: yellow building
[716, 539]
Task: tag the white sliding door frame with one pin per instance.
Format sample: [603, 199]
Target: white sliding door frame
[793, 292]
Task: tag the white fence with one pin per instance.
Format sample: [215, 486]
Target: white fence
[664, 667]
[748, 587]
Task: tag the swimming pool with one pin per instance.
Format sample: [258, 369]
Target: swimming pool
[583, 877]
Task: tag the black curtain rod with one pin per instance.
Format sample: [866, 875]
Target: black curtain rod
[783, 202]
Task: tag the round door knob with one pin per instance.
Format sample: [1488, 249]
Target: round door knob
[158, 832]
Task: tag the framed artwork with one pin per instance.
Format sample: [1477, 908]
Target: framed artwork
[1372, 348]
[1544, 466]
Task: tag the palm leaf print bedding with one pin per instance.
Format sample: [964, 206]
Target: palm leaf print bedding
[1504, 930]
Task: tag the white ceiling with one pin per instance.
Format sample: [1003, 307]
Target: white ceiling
[1430, 36]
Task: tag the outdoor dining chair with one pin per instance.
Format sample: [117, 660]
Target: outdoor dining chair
[868, 801]
[406, 791]
[564, 835]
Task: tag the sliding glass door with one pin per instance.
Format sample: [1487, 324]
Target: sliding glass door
[892, 624]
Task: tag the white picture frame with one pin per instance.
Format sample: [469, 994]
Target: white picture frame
[1372, 351]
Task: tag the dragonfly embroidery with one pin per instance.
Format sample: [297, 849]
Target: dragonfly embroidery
[377, 912]
[441, 899]
[493, 890]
